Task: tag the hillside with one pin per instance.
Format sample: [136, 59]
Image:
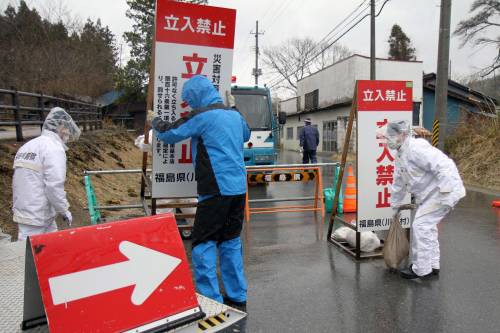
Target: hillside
[475, 148]
[110, 148]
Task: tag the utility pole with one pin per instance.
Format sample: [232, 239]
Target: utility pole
[442, 75]
[256, 71]
[372, 41]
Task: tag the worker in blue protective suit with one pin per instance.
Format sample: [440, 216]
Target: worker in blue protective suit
[433, 179]
[309, 141]
[217, 135]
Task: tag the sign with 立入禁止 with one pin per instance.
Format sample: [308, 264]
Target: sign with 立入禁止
[190, 40]
[378, 103]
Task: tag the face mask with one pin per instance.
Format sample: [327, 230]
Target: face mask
[64, 135]
[393, 142]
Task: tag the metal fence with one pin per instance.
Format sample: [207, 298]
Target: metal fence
[18, 108]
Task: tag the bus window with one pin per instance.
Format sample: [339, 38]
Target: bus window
[255, 110]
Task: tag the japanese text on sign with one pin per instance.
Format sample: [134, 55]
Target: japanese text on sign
[385, 171]
[201, 25]
[378, 103]
[384, 95]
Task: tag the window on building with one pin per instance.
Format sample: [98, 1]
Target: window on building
[299, 131]
[311, 100]
[416, 113]
[289, 133]
[330, 135]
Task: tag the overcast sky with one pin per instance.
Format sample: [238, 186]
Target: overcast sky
[283, 19]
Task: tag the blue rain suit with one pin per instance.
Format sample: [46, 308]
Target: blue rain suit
[217, 135]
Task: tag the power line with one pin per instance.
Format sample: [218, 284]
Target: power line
[276, 17]
[326, 39]
[329, 45]
[280, 4]
[270, 10]
[319, 44]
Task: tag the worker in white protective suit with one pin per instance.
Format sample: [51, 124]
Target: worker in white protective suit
[434, 181]
[39, 176]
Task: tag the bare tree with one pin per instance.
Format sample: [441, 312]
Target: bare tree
[297, 58]
[479, 29]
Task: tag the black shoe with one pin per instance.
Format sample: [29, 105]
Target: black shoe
[242, 306]
[410, 274]
[435, 271]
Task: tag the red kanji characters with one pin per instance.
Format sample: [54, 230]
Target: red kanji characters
[380, 124]
[184, 154]
[385, 174]
[189, 66]
[385, 153]
[383, 199]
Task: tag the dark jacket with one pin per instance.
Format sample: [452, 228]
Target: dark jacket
[309, 138]
[217, 135]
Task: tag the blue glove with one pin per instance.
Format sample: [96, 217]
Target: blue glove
[160, 125]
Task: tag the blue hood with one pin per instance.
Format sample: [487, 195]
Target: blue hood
[199, 92]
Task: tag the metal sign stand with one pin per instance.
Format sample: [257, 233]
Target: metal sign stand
[356, 251]
[33, 310]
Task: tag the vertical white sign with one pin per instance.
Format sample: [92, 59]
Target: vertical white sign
[378, 102]
[190, 40]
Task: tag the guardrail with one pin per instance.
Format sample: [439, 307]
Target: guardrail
[31, 109]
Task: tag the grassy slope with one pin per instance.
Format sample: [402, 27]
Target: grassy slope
[105, 149]
[475, 148]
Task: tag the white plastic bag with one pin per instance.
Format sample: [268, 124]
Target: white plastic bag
[369, 240]
[341, 233]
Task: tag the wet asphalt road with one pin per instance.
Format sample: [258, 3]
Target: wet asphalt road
[298, 282]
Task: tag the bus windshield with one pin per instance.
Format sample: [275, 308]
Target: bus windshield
[255, 110]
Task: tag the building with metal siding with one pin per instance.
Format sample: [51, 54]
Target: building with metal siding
[326, 98]
[463, 103]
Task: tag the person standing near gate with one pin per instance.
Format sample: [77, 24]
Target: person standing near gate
[39, 174]
[433, 179]
[309, 140]
[217, 135]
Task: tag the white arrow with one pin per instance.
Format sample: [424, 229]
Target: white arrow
[146, 269]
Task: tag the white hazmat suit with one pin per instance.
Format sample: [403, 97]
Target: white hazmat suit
[39, 176]
[433, 179]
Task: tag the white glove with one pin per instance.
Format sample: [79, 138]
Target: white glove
[301, 150]
[230, 99]
[68, 218]
[139, 143]
[150, 116]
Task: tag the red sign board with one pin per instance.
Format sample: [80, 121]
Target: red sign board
[385, 95]
[379, 102]
[113, 277]
[194, 24]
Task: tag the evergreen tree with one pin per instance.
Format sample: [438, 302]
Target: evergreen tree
[400, 47]
[133, 78]
[39, 55]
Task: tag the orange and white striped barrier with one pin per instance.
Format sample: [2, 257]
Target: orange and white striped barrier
[298, 173]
